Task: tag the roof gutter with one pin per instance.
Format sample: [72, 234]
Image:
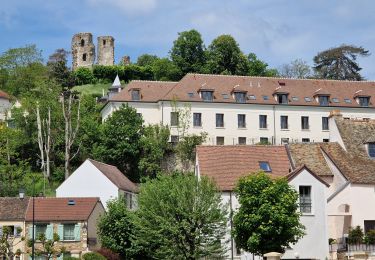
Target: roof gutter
[338, 191]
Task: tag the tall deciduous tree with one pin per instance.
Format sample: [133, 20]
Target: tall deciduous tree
[180, 216]
[9, 239]
[188, 52]
[146, 60]
[58, 69]
[340, 63]
[120, 141]
[258, 67]
[297, 69]
[267, 220]
[166, 70]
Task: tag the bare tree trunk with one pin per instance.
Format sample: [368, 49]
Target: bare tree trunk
[40, 138]
[47, 143]
[70, 133]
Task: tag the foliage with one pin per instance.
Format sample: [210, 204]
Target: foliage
[93, 256]
[109, 254]
[70, 258]
[340, 63]
[154, 147]
[146, 60]
[58, 69]
[187, 144]
[115, 228]
[92, 90]
[355, 235]
[297, 69]
[268, 217]
[165, 70]
[48, 247]
[370, 237]
[180, 216]
[83, 76]
[259, 68]
[188, 52]
[120, 141]
[20, 57]
[8, 241]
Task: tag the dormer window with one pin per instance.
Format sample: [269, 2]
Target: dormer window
[265, 166]
[371, 150]
[136, 95]
[240, 97]
[364, 101]
[282, 98]
[207, 95]
[323, 100]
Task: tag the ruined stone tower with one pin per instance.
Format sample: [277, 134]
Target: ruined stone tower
[106, 46]
[83, 50]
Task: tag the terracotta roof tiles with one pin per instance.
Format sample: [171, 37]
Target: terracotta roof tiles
[12, 208]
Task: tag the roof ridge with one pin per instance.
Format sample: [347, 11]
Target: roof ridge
[264, 77]
[155, 81]
[101, 162]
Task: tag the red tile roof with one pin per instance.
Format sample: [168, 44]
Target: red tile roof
[57, 209]
[12, 209]
[187, 89]
[227, 164]
[115, 176]
[4, 95]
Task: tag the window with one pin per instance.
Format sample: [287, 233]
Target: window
[307, 99]
[251, 97]
[240, 97]
[84, 57]
[40, 229]
[135, 95]
[219, 140]
[369, 225]
[263, 121]
[104, 42]
[325, 125]
[174, 118]
[219, 120]
[82, 42]
[305, 140]
[197, 119]
[323, 100]
[284, 140]
[225, 96]
[207, 95]
[265, 166]
[264, 140]
[364, 101]
[284, 122]
[304, 122]
[371, 150]
[347, 100]
[335, 100]
[295, 98]
[68, 232]
[282, 98]
[242, 140]
[325, 140]
[174, 139]
[305, 199]
[265, 97]
[191, 94]
[241, 120]
[129, 200]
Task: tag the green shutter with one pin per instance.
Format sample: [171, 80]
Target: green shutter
[31, 232]
[77, 232]
[49, 232]
[60, 232]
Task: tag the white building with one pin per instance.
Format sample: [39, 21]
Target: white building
[96, 179]
[247, 110]
[4, 105]
[226, 164]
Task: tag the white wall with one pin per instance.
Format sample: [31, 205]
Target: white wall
[88, 181]
[4, 106]
[160, 112]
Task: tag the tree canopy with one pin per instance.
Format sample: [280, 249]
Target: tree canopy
[297, 69]
[340, 63]
[267, 220]
[180, 216]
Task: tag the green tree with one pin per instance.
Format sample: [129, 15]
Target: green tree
[48, 248]
[146, 60]
[225, 57]
[297, 69]
[58, 69]
[188, 52]
[355, 235]
[154, 148]
[267, 220]
[259, 68]
[180, 216]
[20, 57]
[115, 228]
[120, 141]
[8, 241]
[340, 63]
[165, 70]
[186, 148]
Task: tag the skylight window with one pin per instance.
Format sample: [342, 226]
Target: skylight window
[207, 95]
[265, 166]
[251, 97]
[225, 96]
[307, 99]
[191, 94]
[371, 150]
[240, 97]
[347, 100]
[265, 97]
[295, 98]
[335, 100]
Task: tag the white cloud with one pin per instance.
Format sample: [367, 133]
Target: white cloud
[133, 7]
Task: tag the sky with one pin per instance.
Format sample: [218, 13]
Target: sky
[277, 31]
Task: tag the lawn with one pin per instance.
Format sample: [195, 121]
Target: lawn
[93, 89]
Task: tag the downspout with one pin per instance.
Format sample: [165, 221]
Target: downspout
[231, 224]
[274, 125]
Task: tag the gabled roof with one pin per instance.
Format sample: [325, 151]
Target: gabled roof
[4, 95]
[115, 176]
[58, 209]
[116, 83]
[299, 169]
[226, 164]
[12, 208]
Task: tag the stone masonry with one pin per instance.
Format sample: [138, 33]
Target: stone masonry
[83, 50]
[106, 46]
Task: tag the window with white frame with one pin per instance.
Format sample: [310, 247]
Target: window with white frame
[325, 125]
[207, 96]
[219, 120]
[364, 101]
[241, 120]
[282, 98]
[68, 232]
[174, 118]
[242, 140]
[371, 149]
[305, 203]
[284, 122]
[305, 123]
[219, 140]
[263, 121]
[323, 100]
[136, 95]
[197, 119]
[240, 97]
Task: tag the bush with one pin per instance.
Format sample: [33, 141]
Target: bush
[93, 256]
[370, 237]
[84, 76]
[106, 73]
[109, 254]
[355, 235]
[70, 258]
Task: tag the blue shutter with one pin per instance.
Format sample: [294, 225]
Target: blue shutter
[49, 232]
[77, 232]
[60, 232]
[31, 231]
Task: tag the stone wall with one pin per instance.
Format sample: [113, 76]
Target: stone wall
[106, 45]
[83, 50]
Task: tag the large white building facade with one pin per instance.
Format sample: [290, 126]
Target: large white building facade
[247, 110]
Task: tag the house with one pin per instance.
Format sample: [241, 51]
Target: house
[4, 105]
[247, 110]
[97, 179]
[348, 166]
[225, 165]
[12, 216]
[73, 219]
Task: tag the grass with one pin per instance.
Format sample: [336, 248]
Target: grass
[93, 89]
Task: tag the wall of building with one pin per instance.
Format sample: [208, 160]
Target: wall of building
[83, 50]
[106, 54]
[17, 243]
[92, 227]
[88, 181]
[4, 106]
